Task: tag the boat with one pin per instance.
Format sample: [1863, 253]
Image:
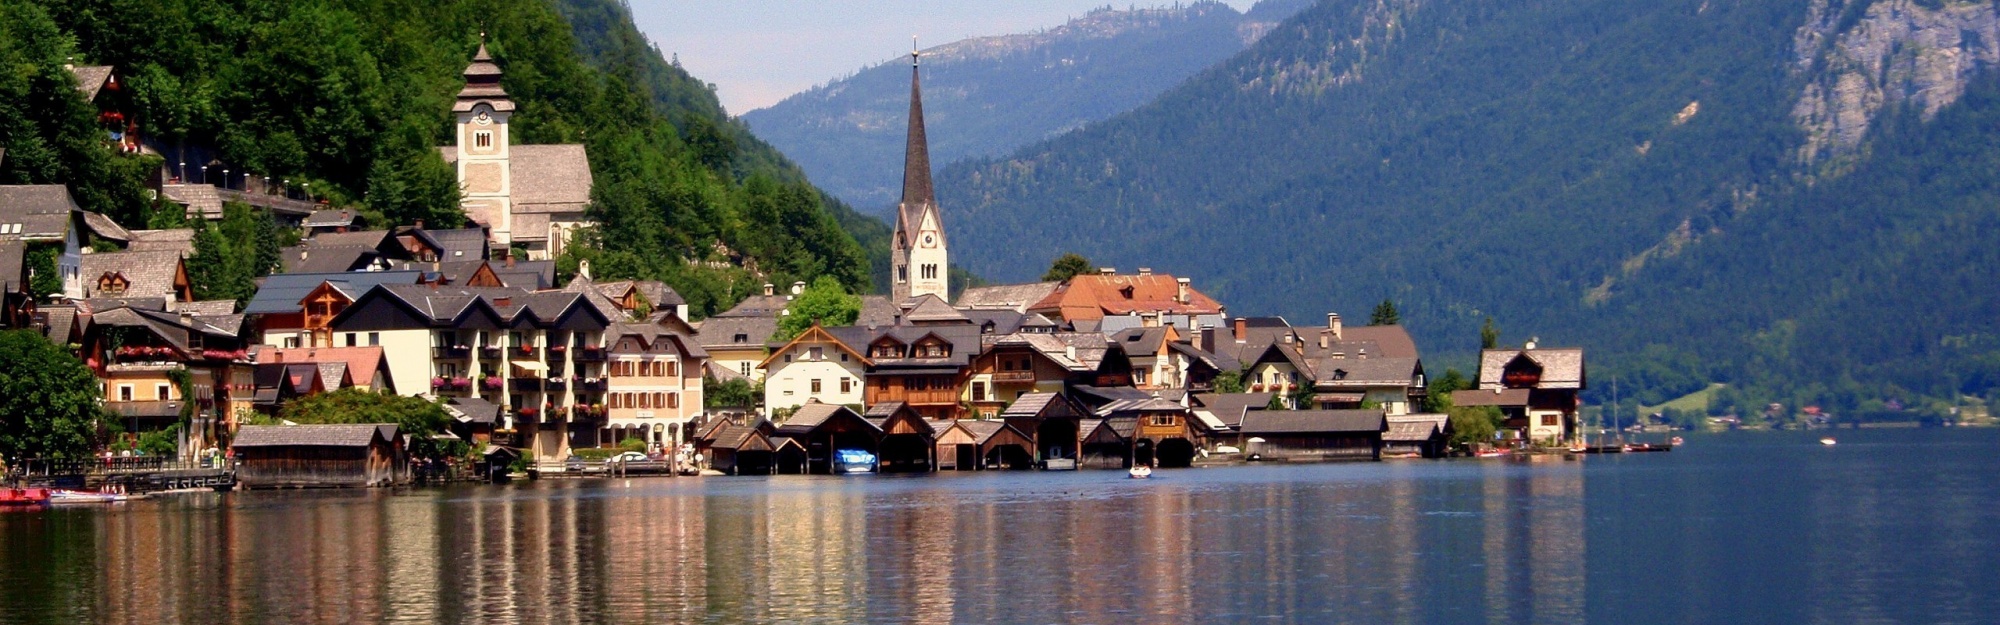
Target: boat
[24, 496]
[86, 496]
[1059, 464]
[1677, 441]
[1140, 472]
[1494, 453]
[1827, 441]
[853, 461]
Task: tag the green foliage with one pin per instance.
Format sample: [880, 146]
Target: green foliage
[1066, 266]
[1474, 424]
[51, 135]
[1384, 314]
[1277, 402]
[1489, 335]
[415, 416]
[48, 399]
[632, 443]
[1229, 382]
[825, 302]
[160, 442]
[231, 254]
[47, 277]
[1438, 398]
[733, 393]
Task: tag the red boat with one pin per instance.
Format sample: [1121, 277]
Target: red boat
[24, 496]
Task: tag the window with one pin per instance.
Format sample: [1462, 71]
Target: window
[374, 339]
[815, 386]
[645, 400]
[659, 369]
[1549, 420]
[815, 354]
[483, 139]
[673, 400]
[673, 369]
[1162, 420]
[1138, 376]
[847, 385]
[124, 392]
[350, 339]
[902, 274]
[746, 367]
[843, 356]
[979, 391]
[882, 383]
[614, 401]
[162, 392]
[291, 342]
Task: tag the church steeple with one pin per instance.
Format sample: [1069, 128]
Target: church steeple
[917, 253]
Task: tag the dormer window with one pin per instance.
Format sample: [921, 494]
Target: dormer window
[1127, 292]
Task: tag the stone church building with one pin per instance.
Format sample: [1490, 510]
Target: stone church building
[530, 196]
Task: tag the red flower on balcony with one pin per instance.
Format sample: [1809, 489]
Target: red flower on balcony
[461, 384]
[492, 382]
[530, 412]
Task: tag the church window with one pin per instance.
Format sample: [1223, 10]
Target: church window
[902, 273]
[482, 139]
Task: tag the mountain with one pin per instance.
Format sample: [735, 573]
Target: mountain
[987, 96]
[354, 96]
[1794, 197]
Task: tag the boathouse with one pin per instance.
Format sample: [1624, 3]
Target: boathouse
[1104, 446]
[978, 445]
[909, 442]
[1311, 435]
[825, 429]
[1163, 432]
[320, 456]
[1424, 435]
[1051, 421]
[741, 450]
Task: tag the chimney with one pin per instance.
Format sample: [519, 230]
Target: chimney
[1107, 271]
[1181, 291]
[583, 269]
[768, 289]
[1145, 271]
[1323, 340]
[1070, 351]
[1333, 324]
[419, 224]
[1361, 353]
[510, 261]
[798, 287]
[1242, 329]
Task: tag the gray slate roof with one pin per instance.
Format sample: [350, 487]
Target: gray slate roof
[1416, 427]
[1561, 368]
[355, 435]
[546, 178]
[1015, 297]
[281, 292]
[90, 79]
[150, 274]
[202, 201]
[1313, 421]
[736, 331]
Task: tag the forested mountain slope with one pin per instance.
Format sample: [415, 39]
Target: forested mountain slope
[987, 96]
[354, 96]
[1791, 195]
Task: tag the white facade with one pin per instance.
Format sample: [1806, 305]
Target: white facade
[408, 353]
[485, 176]
[819, 370]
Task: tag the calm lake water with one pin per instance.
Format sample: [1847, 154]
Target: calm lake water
[1888, 526]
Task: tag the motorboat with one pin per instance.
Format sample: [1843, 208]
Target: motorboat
[1828, 441]
[1140, 472]
[24, 496]
[86, 496]
[853, 461]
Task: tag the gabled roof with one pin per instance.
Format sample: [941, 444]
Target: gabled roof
[362, 363]
[1561, 368]
[201, 201]
[1417, 427]
[472, 410]
[1313, 421]
[816, 334]
[653, 334]
[1042, 405]
[1394, 340]
[282, 292]
[812, 415]
[326, 258]
[1365, 372]
[1015, 297]
[148, 274]
[205, 308]
[90, 79]
[175, 240]
[329, 218]
[963, 339]
[355, 435]
[1497, 397]
[983, 432]
[736, 332]
[929, 308]
[1095, 296]
[546, 179]
[36, 212]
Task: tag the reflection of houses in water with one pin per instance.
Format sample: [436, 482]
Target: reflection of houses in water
[1535, 551]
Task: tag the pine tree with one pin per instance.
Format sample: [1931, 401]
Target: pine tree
[1489, 335]
[1385, 314]
[1066, 267]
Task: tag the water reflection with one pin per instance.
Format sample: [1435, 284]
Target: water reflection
[1681, 538]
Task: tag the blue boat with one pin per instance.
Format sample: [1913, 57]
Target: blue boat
[853, 461]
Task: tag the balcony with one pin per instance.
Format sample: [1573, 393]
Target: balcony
[588, 353]
[1013, 377]
[557, 352]
[592, 385]
[490, 352]
[525, 385]
[556, 385]
[454, 352]
[454, 384]
[525, 352]
[591, 412]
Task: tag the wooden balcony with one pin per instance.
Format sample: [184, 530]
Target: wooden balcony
[1013, 377]
[459, 352]
[914, 398]
[588, 354]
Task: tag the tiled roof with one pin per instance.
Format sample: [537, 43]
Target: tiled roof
[1561, 368]
[90, 79]
[1312, 421]
[877, 310]
[472, 410]
[1015, 297]
[329, 219]
[756, 306]
[1394, 340]
[361, 362]
[149, 274]
[357, 435]
[653, 333]
[202, 201]
[931, 309]
[176, 240]
[546, 178]
[812, 415]
[744, 332]
[326, 258]
[1416, 427]
[281, 292]
[1484, 397]
[1364, 372]
[13, 264]
[1041, 404]
[1095, 296]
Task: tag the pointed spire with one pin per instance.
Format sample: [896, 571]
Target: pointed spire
[916, 157]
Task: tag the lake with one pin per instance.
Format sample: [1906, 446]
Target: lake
[1890, 526]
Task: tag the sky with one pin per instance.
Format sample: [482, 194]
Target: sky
[756, 52]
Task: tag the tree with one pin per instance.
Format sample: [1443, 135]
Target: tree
[826, 302]
[1067, 266]
[1489, 335]
[1474, 424]
[1229, 382]
[1385, 314]
[414, 416]
[1438, 400]
[737, 392]
[48, 399]
[215, 270]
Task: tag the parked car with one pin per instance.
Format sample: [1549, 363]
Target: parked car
[630, 456]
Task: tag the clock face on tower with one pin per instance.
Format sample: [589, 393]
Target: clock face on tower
[930, 240]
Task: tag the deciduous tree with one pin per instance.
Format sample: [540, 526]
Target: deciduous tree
[48, 399]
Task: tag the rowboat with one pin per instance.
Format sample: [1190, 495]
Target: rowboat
[24, 496]
[1140, 472]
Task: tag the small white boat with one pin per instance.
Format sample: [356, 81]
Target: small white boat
[85, 496]
[1828, 441]
[1140, 472]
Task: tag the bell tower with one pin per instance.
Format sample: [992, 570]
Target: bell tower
[485, 177]
[918, 260]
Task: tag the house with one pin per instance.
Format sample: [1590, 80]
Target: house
[815, 366]
[1423, 435]
[653, 375]
[1105, 445]
[1108, 302]
[1016, 365]
[296, 309]
[1310, 435]
[909, 441]
[362, 366]
[101, 88]
[826, 429]
[738, 339]
[1014, 297]
[920, 366]
[1052, 422]
[138, 354]
[473, 418]
[332, 221]
[372, 250]
[45, 217]
[532, 196]
[1162, 433]
[514, 348]
[739, 449]
[1163, 358]
[1536, 388]
[320, 456]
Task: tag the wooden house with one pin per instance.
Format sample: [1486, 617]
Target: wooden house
[1535, 388]
[320, 456]
[1309, 435]
[909, 442]
[1104, 446]
[741, 450]
[979, 445]
[1423, 435]
[921, 366]
[825, 429]
[1163, 433]
[1052, 422]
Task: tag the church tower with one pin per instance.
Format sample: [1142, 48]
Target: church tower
[917, 254]
[485, 176]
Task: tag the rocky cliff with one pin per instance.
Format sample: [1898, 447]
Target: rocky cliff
[1861, 57]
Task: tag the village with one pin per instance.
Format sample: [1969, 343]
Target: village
[1102, 369]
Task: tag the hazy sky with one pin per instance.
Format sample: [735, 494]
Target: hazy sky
[756, 52]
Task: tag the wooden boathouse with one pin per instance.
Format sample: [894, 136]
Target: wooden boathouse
[320, 456]
[909, 441]
[1052, 423]
[825, 429]
[977, 445]
[1312, 435]
[1424, 435]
